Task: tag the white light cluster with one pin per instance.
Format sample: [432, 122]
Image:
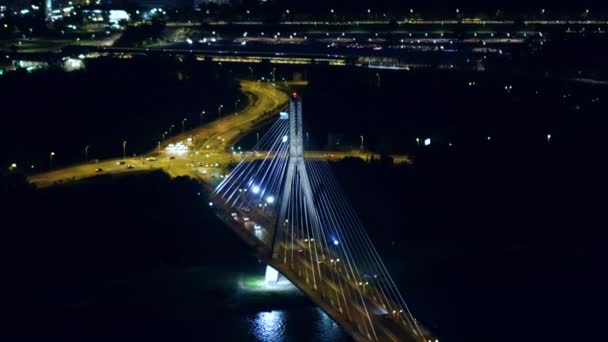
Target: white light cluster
[178, 148]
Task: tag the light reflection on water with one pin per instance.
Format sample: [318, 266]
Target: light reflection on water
[269, 326]
[305, 324]
[327, 329]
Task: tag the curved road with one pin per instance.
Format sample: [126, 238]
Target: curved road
[209, 145]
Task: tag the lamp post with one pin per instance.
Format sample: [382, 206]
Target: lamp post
[171, 130]
[362, 142]
[202, 114]
[124, 149]
[183, 123]
[86, 153]
[51, 160]
[219, 110]
[159, 147]
[273, 70]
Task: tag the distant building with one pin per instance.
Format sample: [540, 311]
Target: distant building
[164, 3]
[219, 2]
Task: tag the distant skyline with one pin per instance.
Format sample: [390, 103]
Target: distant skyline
[353, 5]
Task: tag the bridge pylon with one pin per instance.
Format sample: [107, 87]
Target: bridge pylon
[296, 172]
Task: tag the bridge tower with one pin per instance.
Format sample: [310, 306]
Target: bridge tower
[296, 172]
[48, 13]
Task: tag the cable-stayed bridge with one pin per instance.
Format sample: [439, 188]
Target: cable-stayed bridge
[295, 214]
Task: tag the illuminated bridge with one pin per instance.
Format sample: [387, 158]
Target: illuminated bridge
[294, 213]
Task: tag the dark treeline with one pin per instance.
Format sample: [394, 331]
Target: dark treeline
[111, 101]
[392, 108]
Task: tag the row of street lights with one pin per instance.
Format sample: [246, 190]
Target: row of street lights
[163, 136]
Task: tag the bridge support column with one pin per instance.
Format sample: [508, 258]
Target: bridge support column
[272, 276]
[296, 170]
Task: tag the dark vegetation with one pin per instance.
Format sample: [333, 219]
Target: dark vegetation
[113, 100]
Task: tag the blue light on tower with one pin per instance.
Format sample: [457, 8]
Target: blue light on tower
[48, 10]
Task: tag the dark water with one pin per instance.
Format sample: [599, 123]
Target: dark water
[200, 303]
[141, 258]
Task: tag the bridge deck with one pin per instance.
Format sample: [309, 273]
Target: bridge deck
[332, 294]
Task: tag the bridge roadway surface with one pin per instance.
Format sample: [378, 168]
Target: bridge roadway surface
[215, 139]
[335, 293]
[211, 144]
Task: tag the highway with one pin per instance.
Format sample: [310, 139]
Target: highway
[210, 144]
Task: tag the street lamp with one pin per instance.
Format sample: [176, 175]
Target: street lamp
[362, 140]
[51, 160]
[159, 147]
[183, 123]
[273, 70]
[124, 149]
[219, 110]
[86, 153]
[202, 114]
[171, 130]
[378, 77]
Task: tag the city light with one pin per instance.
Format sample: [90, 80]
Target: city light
[284, 139]
[427, 141]
[177, 148]
[270, 199]
[255, 189]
